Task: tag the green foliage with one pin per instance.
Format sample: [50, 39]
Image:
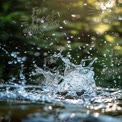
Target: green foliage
[85, 29]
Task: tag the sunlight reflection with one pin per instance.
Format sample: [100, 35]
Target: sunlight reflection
[72, 115]
[96, 114]
[105, 5]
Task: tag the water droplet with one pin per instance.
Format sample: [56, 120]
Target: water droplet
[37, 54]
[51, 44]
[69, 46]
[73, 15]
[42, 21]
[14, 54]
[19, 59]
[104, 55]
[72, 36]
[64, 22]
[105, 42]
[24, 59]
[61, 27]
[53, 34]
[90, 48]
[68, 41]
[29, 33]
[10, 62]
[120, 18]
[87, 44]
[93, 38]
[15, 62]
[79, 47]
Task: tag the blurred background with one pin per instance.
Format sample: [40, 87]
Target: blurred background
[32, 30]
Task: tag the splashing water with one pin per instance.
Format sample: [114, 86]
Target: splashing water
[75, 83]
[76, 79]
[74, 89]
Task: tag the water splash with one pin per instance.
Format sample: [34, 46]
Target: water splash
[75, 85]
[75, 81]
[75, 78]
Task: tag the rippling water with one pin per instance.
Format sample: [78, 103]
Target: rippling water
[31, 104]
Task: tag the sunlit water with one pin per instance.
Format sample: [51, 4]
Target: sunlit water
[69, 96]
